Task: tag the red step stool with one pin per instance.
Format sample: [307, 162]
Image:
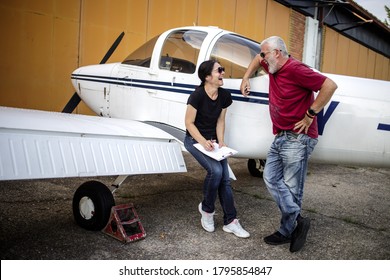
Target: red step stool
[124, 224]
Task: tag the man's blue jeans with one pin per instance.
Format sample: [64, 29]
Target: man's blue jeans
[217, 182]
[285, 173]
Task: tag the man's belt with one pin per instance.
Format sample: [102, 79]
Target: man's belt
[285, 132]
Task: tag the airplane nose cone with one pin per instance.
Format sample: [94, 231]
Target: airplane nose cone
[74, 79]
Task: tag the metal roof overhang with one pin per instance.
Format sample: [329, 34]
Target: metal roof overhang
[348, 19]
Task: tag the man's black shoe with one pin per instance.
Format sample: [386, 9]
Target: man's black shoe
[298, 237]
[276, 239]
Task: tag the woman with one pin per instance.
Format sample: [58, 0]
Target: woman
[205, 123]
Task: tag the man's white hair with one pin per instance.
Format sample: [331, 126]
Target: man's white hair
[275, 42]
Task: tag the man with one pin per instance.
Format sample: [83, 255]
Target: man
[293, 111]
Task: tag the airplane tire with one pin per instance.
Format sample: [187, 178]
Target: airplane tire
[256, 167]
[92, 203]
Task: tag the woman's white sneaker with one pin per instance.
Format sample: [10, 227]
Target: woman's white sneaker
[207, 219]
[235, 228]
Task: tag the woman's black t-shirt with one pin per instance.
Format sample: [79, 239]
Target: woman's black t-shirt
[208, 110]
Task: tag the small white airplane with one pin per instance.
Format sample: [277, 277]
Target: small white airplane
[149, 89]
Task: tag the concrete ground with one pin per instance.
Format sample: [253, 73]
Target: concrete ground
[348, 206]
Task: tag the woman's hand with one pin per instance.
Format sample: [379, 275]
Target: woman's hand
[209, 145]
[222, 144]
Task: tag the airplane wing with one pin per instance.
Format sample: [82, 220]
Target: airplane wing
[39, 144]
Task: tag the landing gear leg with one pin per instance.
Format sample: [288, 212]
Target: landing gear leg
[256, 167]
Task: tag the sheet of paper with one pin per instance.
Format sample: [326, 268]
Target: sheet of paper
[217, 153]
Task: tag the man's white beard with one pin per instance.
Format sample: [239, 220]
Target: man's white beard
[272, 66]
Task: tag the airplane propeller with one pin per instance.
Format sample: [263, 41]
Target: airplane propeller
[75, 99]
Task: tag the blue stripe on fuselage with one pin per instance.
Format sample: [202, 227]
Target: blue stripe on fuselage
[166, 86]
[383, 126]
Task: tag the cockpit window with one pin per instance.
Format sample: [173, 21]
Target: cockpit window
[142, 55]
[180, 51]
[235, 53]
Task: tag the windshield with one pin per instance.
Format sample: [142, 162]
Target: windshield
[179, 52]
[142, 55]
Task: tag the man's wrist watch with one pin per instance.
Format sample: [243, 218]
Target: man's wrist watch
[311, 112]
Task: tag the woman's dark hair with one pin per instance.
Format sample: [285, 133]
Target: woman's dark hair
[205, 69]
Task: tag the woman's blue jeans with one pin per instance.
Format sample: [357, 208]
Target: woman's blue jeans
[217, 182]
[285, 173]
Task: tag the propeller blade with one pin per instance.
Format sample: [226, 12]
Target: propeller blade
[75, 99]
[72, 103]
[113, 48]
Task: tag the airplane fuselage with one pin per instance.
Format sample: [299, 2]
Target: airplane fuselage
[354, 127]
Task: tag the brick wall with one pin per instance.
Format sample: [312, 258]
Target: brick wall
[297, 33]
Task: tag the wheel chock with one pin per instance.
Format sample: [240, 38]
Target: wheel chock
[124, 224]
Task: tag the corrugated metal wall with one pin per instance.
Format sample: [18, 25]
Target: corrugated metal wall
[44, 41]
[346, 57]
